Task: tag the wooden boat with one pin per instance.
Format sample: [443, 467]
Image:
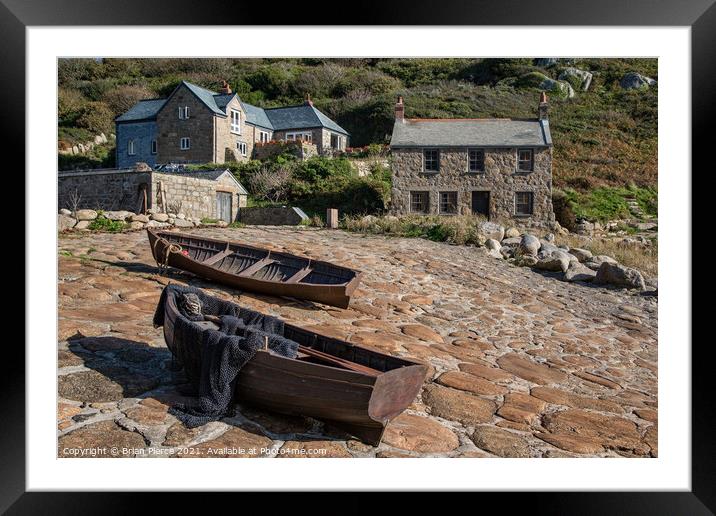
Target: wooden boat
[254, 269]
[353, 388]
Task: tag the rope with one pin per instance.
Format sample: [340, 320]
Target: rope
[172, 248]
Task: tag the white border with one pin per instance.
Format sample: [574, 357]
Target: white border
[670, 471]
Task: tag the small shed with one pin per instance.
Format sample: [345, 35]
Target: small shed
[214, 194]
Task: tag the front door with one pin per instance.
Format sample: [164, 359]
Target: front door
[223, 206]
[481, 203]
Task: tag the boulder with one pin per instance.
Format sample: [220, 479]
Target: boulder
[139, 218]
[507, 252]
[578, 78]
[118, 215]
[546, 249]
[492, 230]
[136, 225]
[492, 244]
[159, 217]
[636, 81]
[222, 224]
[171, 220]
[98, 140]
[529, 245]
[527, 260]
[65, 211]
[86, 215]
[512, 232]
[82, 224]
[157, 224]
[578, 272]
[596, 261]
[181, 216]
[512, 241]
[65, 222]
[619, 275]
[549, 237]
[582, 255]
[558, 261]
[181, 223]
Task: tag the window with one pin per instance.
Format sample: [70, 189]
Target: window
[241, 146]
[184, 143]
[476, 158]
[235, 121]
[130, 148]
[154, 146]
[523, 203]
[264, 137]
[336, 142]
[431, 160]
[183, 112]
[419, 202]
[448, 202]
[306, 137]
[524, 160]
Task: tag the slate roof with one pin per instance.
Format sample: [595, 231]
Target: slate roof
[304, 116]
[142, 110]
[478, 132]
[204, 174]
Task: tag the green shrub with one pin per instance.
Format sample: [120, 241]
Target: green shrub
[96, 117]
[104, 224]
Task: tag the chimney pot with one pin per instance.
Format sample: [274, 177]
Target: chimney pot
[400, 110]
[225, 88]
[309, 102]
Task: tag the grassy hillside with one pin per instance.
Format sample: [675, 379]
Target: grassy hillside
[605, 137]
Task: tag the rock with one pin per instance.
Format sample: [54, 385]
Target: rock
[465, 381]
[529, 246]
[492, 230]
[521, 366]
[419, 434]
[181, 223]
[159, 217]
[139, 218]
[86, 215]
[582, 255]
[546, 249]
[579, 78]
[502, 443]
[527, 261]
[64, 222]
[522, 408]
[558, 261]
[512, 241]
[492, 244]
[545, 62]
[118, 215]
[596, 261]
[222, 224]
[170, 221]
[549, 237]
[98, 140]
[619, 275]
[82, 224]
[422, 332]
[89, 386]
[181, 216]
[136, 225]
[457, 405]
[568, 442]
[157, 224]
[103, 440]
[635, 81]
[65, 211]
[585, 227]
[578, 272]
[505, 252]
[512, 232]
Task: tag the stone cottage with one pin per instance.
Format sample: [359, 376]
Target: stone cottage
[498, 168]
[196, 125]
[214, 194]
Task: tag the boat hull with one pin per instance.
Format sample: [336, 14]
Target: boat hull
[355, 402]
[335, 295]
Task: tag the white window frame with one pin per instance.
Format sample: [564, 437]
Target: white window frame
[183, 112]
[242, 148]
[236, 124]
[296, 135]
[264, 136]
[153, 146]
[188, 143]
[131, 151]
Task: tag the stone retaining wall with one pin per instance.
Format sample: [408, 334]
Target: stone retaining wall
[108, 189]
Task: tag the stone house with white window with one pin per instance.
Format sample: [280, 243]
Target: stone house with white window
[498, 168]
[196, 125]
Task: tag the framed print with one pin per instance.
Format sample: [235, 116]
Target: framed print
[432, 235]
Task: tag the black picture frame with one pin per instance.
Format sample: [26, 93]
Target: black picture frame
[700, 15]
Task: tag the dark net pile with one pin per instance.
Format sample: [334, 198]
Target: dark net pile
[212, 358]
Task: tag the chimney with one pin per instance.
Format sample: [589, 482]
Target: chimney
[308, 102]
[225, 88]
[543, 106]
[400, 110]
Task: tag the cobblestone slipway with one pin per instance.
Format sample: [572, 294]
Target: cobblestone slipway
[521, 364]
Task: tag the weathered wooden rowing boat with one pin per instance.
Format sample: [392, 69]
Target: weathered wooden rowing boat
[353, 388]
[254, 269]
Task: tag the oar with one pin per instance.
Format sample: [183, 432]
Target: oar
[325, 357]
